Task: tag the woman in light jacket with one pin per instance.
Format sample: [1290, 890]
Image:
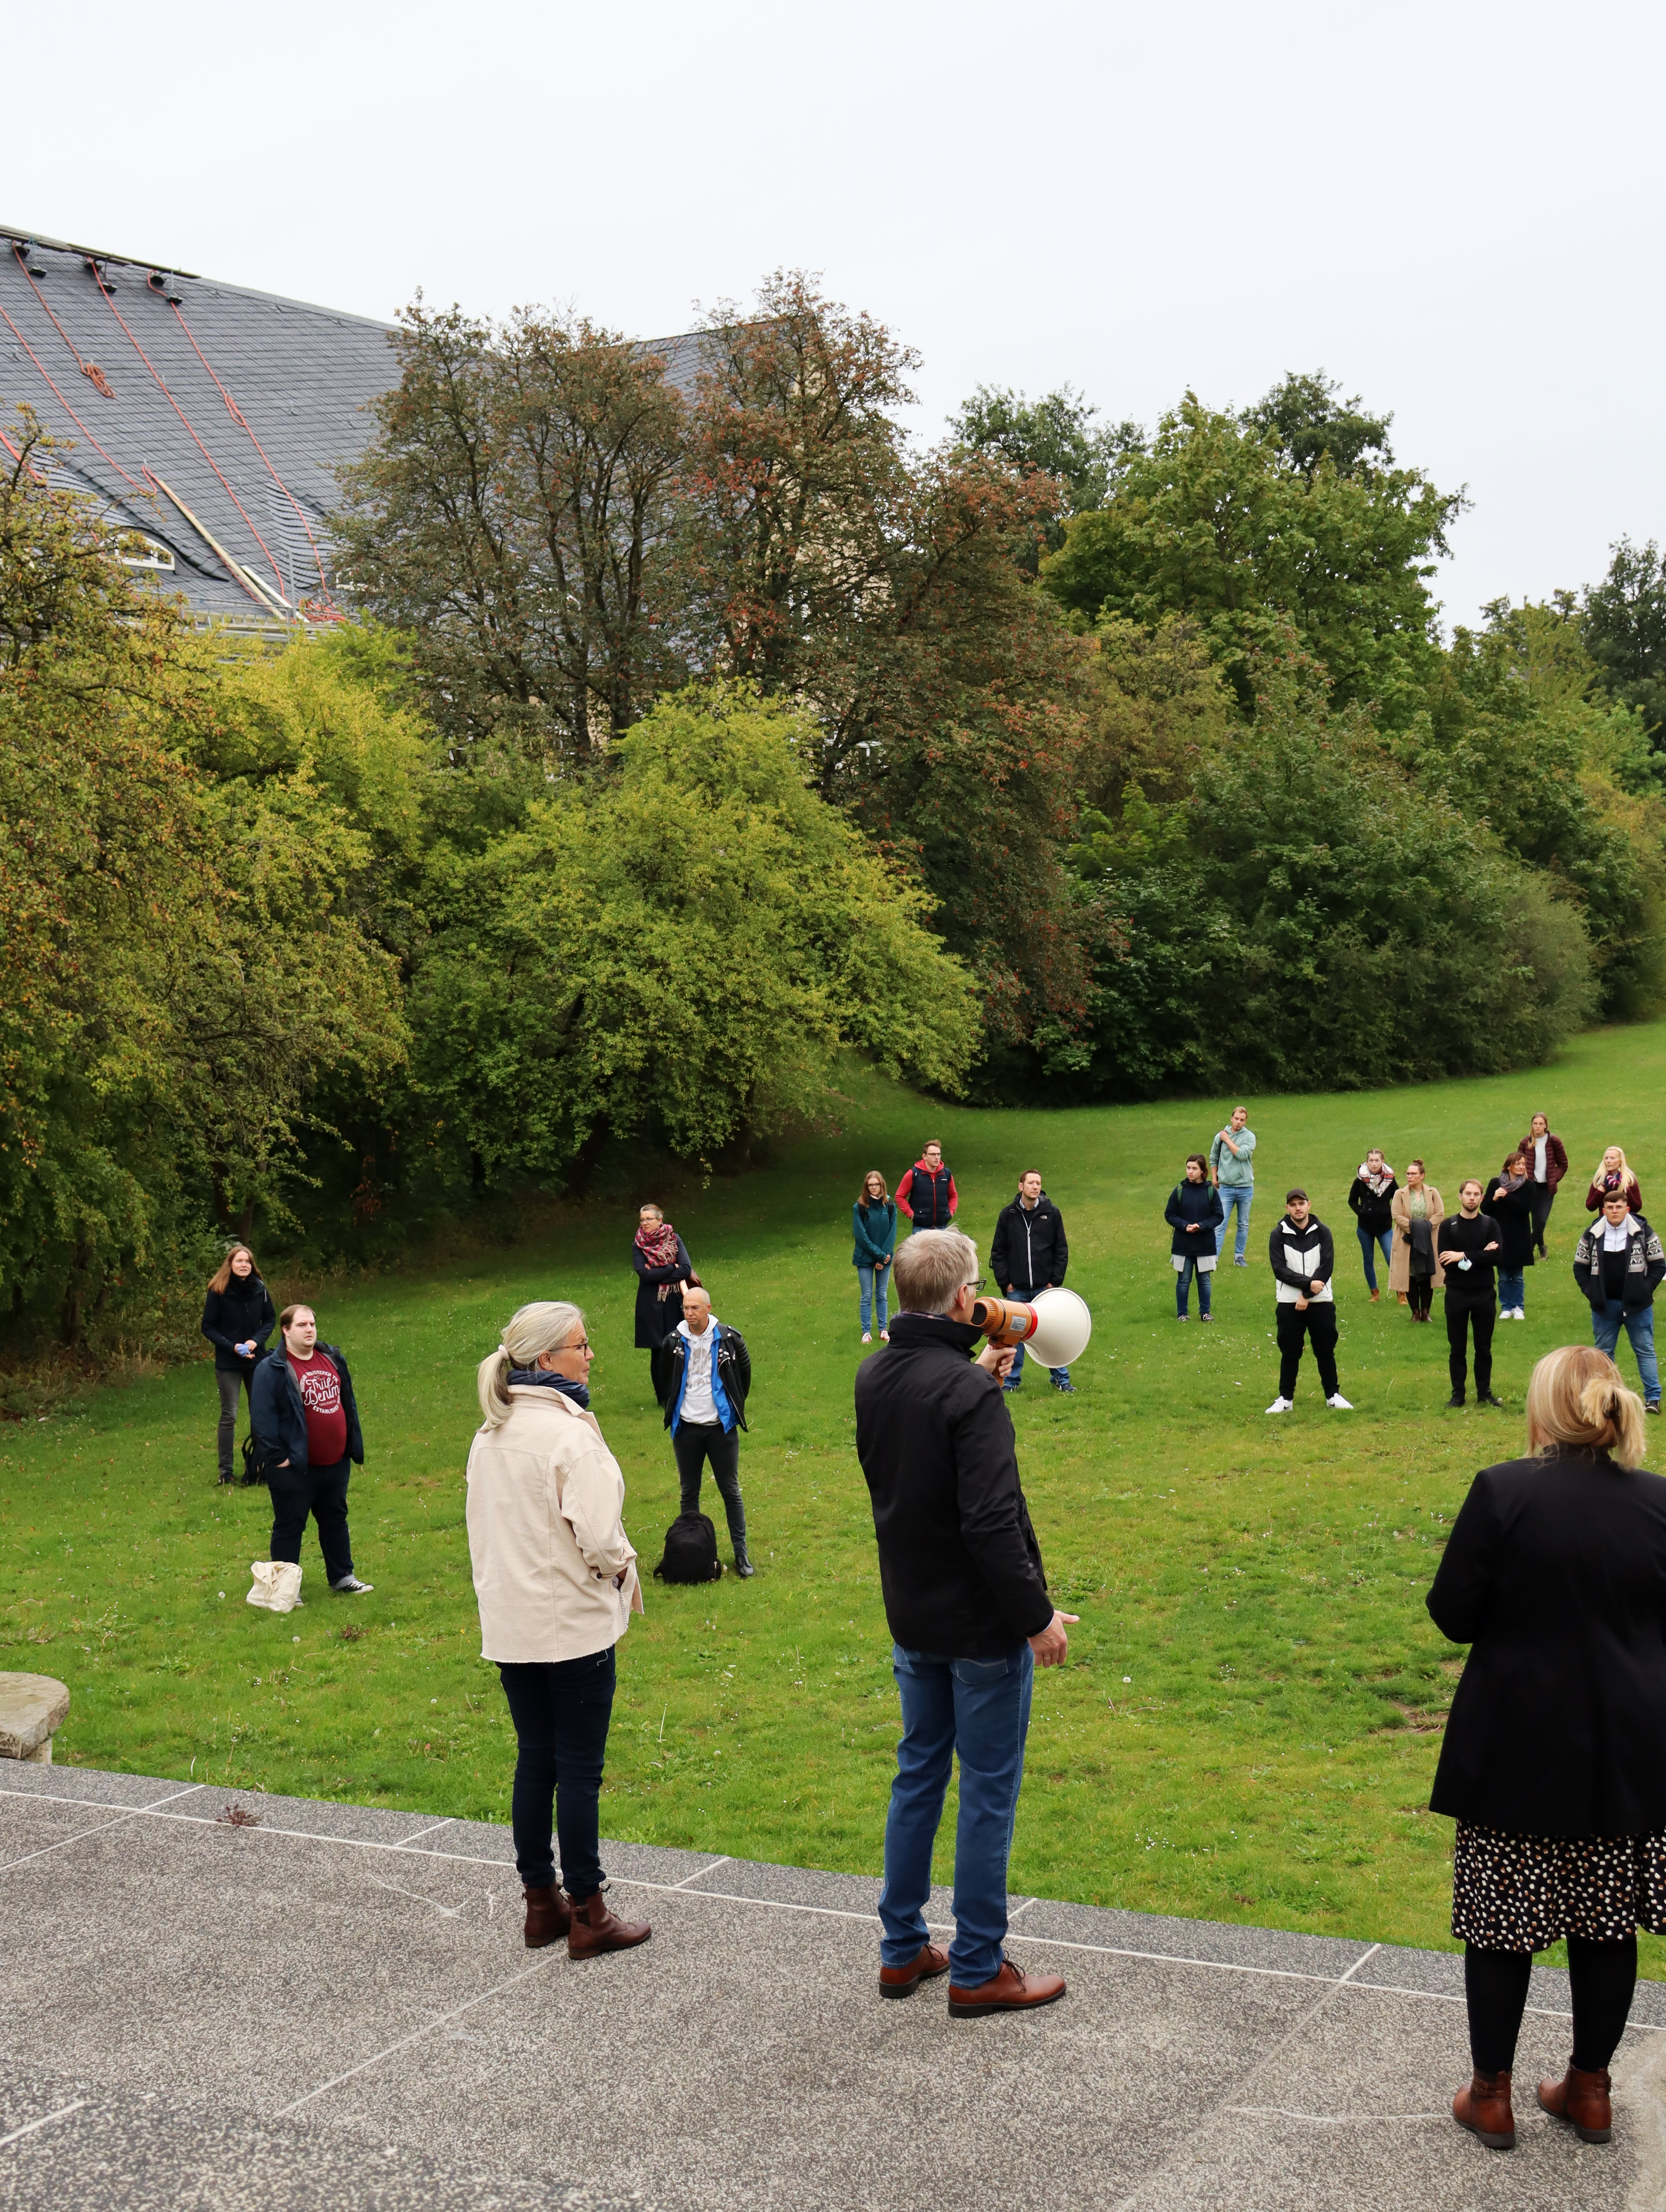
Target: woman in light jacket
[556, 1577]
[1420, 1201]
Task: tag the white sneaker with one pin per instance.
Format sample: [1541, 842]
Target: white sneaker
[867, 1336]
[1520, 1313]
[1339, 1404]
[1282, 1405]
[350, 1586]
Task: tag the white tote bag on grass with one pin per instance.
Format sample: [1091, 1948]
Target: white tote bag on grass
[277, 1584]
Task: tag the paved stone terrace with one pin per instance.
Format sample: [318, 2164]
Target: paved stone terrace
[334, 2007]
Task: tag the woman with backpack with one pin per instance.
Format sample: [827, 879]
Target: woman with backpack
[873, 1226]
[555, 1575]
[1195, 1213]
[238, 1316]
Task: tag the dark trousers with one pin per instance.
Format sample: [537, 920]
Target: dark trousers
[560, 1711]
[1539, 1207]
[321, 1492]
[1458, 1320]
[231, 1380]
[1602, 1977]
[697, 1442]
[1317, 1326]
[1421, 1293]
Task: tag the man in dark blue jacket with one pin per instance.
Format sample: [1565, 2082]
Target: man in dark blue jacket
[702, 1375]
[967, 1603]
[1029, 1253]
[307, 1441]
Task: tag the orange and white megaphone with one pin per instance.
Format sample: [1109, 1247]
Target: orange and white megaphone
[1054, 1328]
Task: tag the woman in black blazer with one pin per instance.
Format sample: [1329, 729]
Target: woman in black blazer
[664, 1272]
[1554, 1760]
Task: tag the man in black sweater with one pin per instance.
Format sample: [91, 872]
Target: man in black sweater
[966, 1600]
[1303, 1257]
[1029, 1254]
[1470, 1243]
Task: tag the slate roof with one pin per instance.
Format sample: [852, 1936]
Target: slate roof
[240, 405]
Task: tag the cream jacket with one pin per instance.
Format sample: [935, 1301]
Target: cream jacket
[545, 1534]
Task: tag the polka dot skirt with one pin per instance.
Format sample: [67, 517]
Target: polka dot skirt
[1521, 1892]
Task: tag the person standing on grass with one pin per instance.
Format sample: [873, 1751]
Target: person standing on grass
[1194, 1213]
[1618, 1264]
[702, 1376]
[1303, 1257]
[1232, 1171]
[1614, 1176]
[1415, 1273]
[238, 1316]
[1470, 1244]
[306, 1436]
[873, 1226]
[970, 1619]
[555, 1576]
[1370, 1200]
[1547, 1164]
[1509, 1199]
[664, 1272]
[1551, 1760]
[1029, 1254]
[927, 1193]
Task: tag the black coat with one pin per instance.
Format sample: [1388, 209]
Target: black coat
[232, 1317]
[958, 1561]
[1555, 1575]
[1513, 1212]
[656, 1317]
[1376, 1217]
[1028, 1251]
[1194, 1202]
[278, 1419]
[734, 1371]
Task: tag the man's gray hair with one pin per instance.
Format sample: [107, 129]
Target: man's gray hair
[931, 1266]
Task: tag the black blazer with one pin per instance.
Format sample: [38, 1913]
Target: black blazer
[657, 1316]
[1555, 1575]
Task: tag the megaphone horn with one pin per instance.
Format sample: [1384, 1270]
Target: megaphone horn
[1057, 1327]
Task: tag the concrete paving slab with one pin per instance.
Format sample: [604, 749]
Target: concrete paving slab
[89, 1786]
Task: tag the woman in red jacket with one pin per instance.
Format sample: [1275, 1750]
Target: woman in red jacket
[1614, 1175]
[1547, 1164]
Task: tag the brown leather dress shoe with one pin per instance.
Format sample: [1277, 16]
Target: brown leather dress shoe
[1010, 1991]
[594, 1930]
[549, 1915]
[1484, 2109]
[1581, 2097]
[931, 1960]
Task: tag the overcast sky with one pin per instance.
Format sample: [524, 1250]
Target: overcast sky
[1456, 210]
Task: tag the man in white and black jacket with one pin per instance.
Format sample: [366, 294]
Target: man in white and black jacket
[1029, 1254]
[1618, 1264]
[1303, 1258]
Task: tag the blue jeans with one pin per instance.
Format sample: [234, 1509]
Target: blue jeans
[1235, 1195]
[1512, 1291]
[979, 1708]
[875, 1282]
[1059, 1374]
[1369, 1240]
[561, 1709]
[1182, 1283]
[1638, 1321]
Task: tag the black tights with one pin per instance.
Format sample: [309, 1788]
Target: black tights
[1419, 1294]
[1603, 1975]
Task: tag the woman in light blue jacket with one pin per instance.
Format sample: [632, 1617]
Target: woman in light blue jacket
[873, 1226]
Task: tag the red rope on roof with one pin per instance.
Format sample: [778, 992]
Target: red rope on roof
[63, 402]
[109, 301]
[89, 369]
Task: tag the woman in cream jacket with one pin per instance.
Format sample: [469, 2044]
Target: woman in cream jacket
[556, 1577]
[1421, 1198]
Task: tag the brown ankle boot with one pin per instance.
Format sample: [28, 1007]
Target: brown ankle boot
[548, 1917]
[1484, 2109]
[1581, 2097]
[594, 1930]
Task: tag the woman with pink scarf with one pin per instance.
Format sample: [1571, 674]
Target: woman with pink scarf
[1372, 1197]
[664, 1272]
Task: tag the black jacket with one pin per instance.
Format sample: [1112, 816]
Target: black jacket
[1513, 1212]
[1645, 1263]
[1315, 1232]
[734, 1371]
[279, 1419]
[1373, 1211]
[1555, 1575]
[1028, 1251]
[1478, 1283]
[232, 1317]
[656, 1317]
[958, 1561]
[1194, 1202]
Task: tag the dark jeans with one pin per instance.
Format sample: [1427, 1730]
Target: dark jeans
[1602, 1977]
[321, 1492]
[560, 1711]
[231, 1380]
[1458, 1319]
[695, 1443]
[1371, 1241]
[1183, 1282]
[1317, 1326]
[1539, 1205]
[1421, 1293]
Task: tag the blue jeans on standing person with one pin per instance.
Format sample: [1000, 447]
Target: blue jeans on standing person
[979, 1708]
[561, 1709]
[1182, 1283]
[1235, 1195]
[1369, 1240]
[1060, 1375]
[1638, 1322]
[1513, 1291]
[875, 1282]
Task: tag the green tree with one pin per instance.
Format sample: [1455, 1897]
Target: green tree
[1302, 413]
[1054, 436]
[1623, 620]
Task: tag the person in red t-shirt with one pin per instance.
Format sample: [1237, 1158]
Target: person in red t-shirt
[306, 1424]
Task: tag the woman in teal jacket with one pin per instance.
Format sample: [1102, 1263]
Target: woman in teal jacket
[873, 1225]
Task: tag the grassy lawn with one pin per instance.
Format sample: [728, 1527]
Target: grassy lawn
[1249, 1722]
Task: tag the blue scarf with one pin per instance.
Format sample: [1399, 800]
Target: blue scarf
[542, 1379]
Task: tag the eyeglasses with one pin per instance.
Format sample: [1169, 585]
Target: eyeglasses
[583, 1345]
[978, 1287]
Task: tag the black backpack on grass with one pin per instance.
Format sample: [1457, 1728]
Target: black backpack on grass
[690, 1551]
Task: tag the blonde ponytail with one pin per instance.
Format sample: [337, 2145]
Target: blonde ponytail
[1577, 1399]
[544, 1326]
[492, 1377]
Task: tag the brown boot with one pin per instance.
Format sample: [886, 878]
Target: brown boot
[929, 1961]
[1581, 2097]
[549, 1915]
[1484, 2109]
[594, 1930]
[1010, 1991]
[1375, 1296]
